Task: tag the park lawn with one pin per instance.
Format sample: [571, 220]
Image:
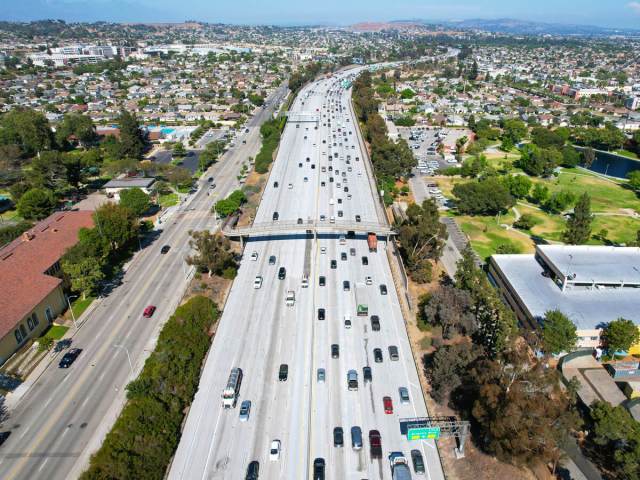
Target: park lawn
[627, 153]
[56, 332]
[606, 195]
[548, 226]
[168, 200]
[620, 229]
[486, 235]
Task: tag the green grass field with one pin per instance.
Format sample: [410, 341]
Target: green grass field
[56, 332]
[80, 305]
[168, 200]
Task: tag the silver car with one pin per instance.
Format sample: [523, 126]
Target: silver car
[321, 375]
[404, 395]
[245, 410]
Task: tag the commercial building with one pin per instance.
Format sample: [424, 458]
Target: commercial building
[31, 293]
[592, 285]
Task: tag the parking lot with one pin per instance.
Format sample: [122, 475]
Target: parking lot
[424, 141]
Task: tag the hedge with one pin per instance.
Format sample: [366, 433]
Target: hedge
[146, 434]
[270, 132]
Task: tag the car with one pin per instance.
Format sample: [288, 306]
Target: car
[306, 179]
[375, 443]
[210, 179]
[254, 256]
[338, 437]
[299, 221]
[377, 355]
[253, 470]
[418, 462]
[323, 250]
[334, 264]
[335, 351]
[352, 252]
[347, 321]
[365, 260]
[383, 289]
[69, 357]
[245, 410]
[274, 451]
[282, 273]
[275, 184]
[375, 323]
[368, 280]
[148, 312]
[322, 218]
[257, 282]
[4, 436]
[322, 281]
[318, 469]
[283, 372]
[366, 374]
[388, 405]
[356, 438]
[321, 314]
[291, 184]
[343, 256]
[404, 395]
[300, 164]
[320, 376]
[165, 249]
[275, 216]
[272, 260]
[393, 353]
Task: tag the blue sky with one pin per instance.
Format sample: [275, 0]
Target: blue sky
[613, 13]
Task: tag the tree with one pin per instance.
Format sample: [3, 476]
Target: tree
[538, 161]
[76, 126]
[210, 154]
[559, 201]
[558, 333]
[484, 197]
[518, 185]
[588, 156]
[540, 193]
[525, 222]
[213, 252]
[578, 229]
[231, 204]
[446, 368]
[545, 138]
[179, 177]
[131, 136]
[513, 130]
[28, 129]
[47, 171]
[36, 204]
[618, 433]
[179, 150]
[634, 180]
[619, 335]
[135, 200]
[452, 309]
[84, 274]
[116, 224]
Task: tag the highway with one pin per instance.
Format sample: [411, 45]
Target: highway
[65, 414]
[258, 332]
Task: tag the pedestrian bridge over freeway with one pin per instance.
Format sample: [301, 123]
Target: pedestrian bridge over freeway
[270, 229]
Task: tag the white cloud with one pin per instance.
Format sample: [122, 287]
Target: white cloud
[635, 6]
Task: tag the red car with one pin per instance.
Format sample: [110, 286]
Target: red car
[388, 405]
[148, 312]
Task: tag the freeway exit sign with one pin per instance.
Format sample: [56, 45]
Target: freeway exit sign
[423, 433]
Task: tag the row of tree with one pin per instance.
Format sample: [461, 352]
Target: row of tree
[270, 132]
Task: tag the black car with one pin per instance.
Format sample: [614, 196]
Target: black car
[366, 374]
[334, 264]
[276, 216]
[272, 260]
[299, 221]
[283, 373]
[418, 462]
[322, 281]
[346, 286]
[383, 289]
[343, 256]
[375, 323]
[210, 179]
[275, 184]
[69, 357]
[357, 218]
[282, 273]
[335, 351]
[377, 355]
[318, 469]
[165, 249]
[321, 314]
[338, 437]
[365, 261]
[253, 470]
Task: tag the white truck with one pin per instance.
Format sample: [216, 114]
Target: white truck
[399, 466]
[232, 390]
[290, 300]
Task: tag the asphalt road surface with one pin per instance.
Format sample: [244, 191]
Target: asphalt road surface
[258, 332]
[57, 422]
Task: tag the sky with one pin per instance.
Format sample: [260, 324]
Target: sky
[606, 13]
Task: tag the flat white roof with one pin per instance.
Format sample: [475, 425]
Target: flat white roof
[594, 264]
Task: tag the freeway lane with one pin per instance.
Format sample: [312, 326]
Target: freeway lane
[60, 419]
[257, 332]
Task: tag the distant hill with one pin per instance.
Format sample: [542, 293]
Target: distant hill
[524, 27]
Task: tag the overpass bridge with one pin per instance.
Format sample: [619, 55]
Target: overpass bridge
[303, 117]
[314, 227]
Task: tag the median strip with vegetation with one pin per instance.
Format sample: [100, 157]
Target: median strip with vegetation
[147, 432]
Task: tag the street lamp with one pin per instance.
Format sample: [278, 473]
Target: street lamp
[122, 347]
[73, 317]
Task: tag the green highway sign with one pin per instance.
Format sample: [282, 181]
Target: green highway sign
[423, 433]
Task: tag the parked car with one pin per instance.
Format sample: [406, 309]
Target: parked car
[148, 312]
[69, 357]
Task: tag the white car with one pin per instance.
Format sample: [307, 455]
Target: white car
[347, 321]
[254, 256]
[368, 280]
[323, 249]
[290, 186]
[274, 451]
[257, 283]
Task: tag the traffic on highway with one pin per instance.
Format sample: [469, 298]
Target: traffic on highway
[311, 368]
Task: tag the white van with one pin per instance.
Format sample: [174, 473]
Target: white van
[290, 301]
[305, 281]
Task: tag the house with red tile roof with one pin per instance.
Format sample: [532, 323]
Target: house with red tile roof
[31, 287]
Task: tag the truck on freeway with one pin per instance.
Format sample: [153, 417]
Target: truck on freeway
[232, 390]
[399, 466]
[362, 307]
[372, 241]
